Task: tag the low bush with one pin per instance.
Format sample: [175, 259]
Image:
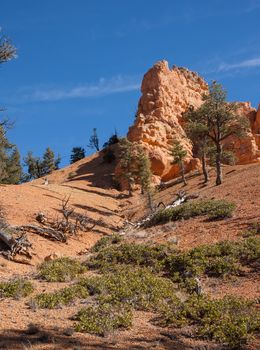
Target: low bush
[213, 209]
[131, 254]
[105, 241]
[16, 288]
[59, 298]
[253, 230]
[139, 288]
[72, 174]
[230, 321]
[60, 270]
[103, 318]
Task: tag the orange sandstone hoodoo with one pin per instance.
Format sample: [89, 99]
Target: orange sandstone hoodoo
[166, 94]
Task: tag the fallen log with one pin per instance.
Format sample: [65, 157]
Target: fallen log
[46, 232]
[15, 245]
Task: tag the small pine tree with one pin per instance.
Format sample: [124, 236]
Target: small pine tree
[126, 163]
[49, 162]
[144, 170]
[77, 153]
[94, 141]
[179, 153]
[112, 140]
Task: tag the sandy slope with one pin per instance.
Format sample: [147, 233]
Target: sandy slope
[91, 191]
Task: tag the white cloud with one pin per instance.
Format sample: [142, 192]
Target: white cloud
[117, 84]
[251, 63]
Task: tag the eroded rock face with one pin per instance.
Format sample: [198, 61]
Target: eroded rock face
[166, 94]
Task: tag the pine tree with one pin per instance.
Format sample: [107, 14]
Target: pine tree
[197, 131]
[49, 162]
[94, 141]
[144, 170]
[14, 168]
[126, 163]
[179, 153]
[77, 153]
[219, 120]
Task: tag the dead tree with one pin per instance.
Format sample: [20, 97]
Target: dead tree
[18, 245]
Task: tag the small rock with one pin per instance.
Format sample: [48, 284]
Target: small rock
[32, 329]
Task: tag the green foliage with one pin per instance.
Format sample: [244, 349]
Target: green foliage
[144, 172]
[230, 321]
[130, 254]
[77, 153]
[103, 318]
[253, 230]
[112, 140]
[220, 260]
[94, 141]
[105, 241]
[178, 153]
[72, 174]
[126, 162]
[16, 288]
[10, 166]
[60, 270]
[139, 288]
[41, 167]
[59, 298]
[213, 209]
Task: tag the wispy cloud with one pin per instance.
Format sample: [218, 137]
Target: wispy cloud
[251, 63]
[117, 84]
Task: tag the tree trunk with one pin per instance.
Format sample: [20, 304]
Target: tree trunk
[150, 201]
[7, 239]
[182, 174]
[218, 165]
[204, 168]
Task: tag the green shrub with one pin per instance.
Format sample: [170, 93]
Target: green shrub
[60, 270]
[130, 254]
[16, 288]
[230, 321]
[139, 288]
[72, 174]
[105, 241]
[249, 250]
[61, 297]
[213, 209]
[103, 318]
[253, 230]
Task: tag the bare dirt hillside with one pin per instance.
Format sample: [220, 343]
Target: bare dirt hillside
[91, 192]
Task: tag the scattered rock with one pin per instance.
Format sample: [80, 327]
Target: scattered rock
[68, 331]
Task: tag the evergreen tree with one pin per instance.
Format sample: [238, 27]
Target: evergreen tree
[197, 131]
[49, 162]
[126, 163]
[179, 153]
[38, 167]
[14, 168]
[77, 153]
[112, 140]
[144, 170]
[94, 141]
[219, 120]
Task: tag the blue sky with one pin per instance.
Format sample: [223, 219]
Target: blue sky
[80, 62]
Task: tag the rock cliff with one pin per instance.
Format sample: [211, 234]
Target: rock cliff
[166, 94]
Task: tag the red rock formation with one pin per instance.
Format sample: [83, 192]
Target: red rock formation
[166, 94]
